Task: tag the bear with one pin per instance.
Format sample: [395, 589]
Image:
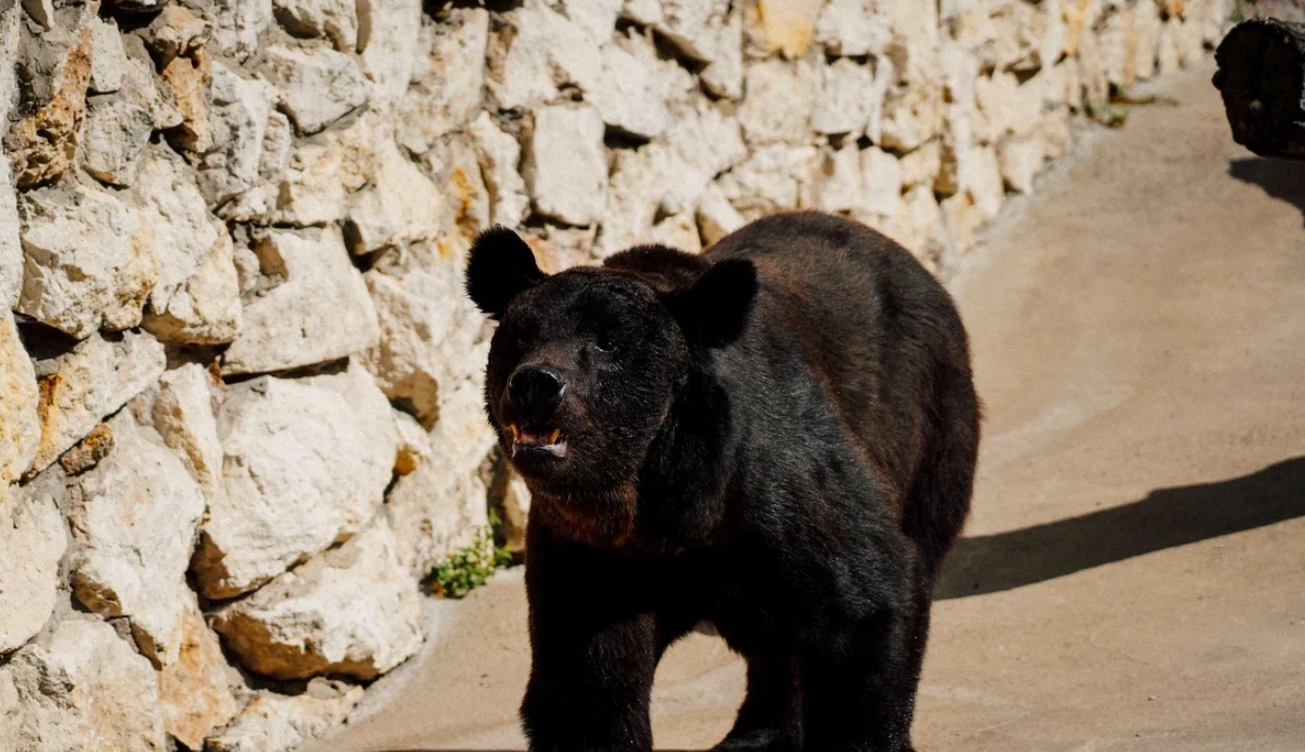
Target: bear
[776, 437]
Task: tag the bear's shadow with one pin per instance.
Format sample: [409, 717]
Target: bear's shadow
[1167, 517]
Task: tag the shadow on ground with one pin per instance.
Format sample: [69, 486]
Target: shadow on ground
[1281, 178]
[1167, 517]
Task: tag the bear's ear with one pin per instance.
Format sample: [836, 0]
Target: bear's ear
[713, 310]
[501, 265]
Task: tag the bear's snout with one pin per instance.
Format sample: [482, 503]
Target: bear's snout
[536, 391]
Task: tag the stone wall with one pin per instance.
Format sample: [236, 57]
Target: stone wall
[240, 387]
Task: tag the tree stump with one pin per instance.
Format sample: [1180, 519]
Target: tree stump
[1262, 78]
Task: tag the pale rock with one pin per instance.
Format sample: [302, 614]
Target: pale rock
[396, 207]
[509, 498]
[278, 139]
[771, 179]
[500, 155]
[317, 87]
[320, 312]
[1191, 42]
[434, 511]
[336, 20]
[853, 28]
[1054, 132]
[277, 723]
[108, 58]
[639, 183]
[83, 688]
[642, 12]
[784, 26]
[44, 143]
[702, 142]
[628, 97]
[596, 17]
[980, 196]
[424, 324]
[33, 539]
[40, 11]
[89, 259]
[916, 36]
[184, 234]
[320, 173]
[1168, 57]
[716, 217]
[1021, 161]
[779, 103]
[174, 31]
[695, 27]
[918, 226]
[1118, 39]
[882, 178]
[843, 101]
[678, 231]
[463, 208]
[205, 308]
[80, 387]
[116, 132]
[843, 186]
[195, 689]
[182, 414]
[566, 167]
[723, 76]
[537, 51]
[11, 246]
[239, 110]
[921, 166]
[1078, 17]
[236, 24]
[89, 451]
[351, 611]
[133, 519]
[448, 93]
[388, 34]
[911, 115]
[1146, 26]
[182, 83]
[20, 427]
[141, 88]
[557, 249]
[414, 445]
[1005, 107]
[307, 462]
[1096, 83]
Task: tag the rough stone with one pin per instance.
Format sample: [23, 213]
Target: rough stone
[89, 259]
[629, 96]
[239, 114]
[567, 165]
[236, 24]
[678, 231]
[779, 103]
[716, 217]
[388, 34]
[1005, 107]
[133, 520]
[317, 87]
[436, 510]
[844, 99]
[184, 80]
[89, 451]
[11, 247]
[117, 131]
[319, 312]
[921, 166]
[463, 208]
[773, 178]
[182, 414]
[396, 207]
[32, 541]
[537, 51]
[276, 723]
[918, 225]
[194, 690]
[82, 386]
[20, 430]
[448, 94]
[184, 233]
[853, 28]
[82, 688]
[306, 464]
[414, 445]
[559, 248]
[500, 154]
[882, 178]
[174, 31]
[784, 26]
[205, 309]
[336, 20]
[1054, 132]
[842, 188]
[108, 58]
[44, 143]
[723, 76]
[352, 611]
[1021, 161]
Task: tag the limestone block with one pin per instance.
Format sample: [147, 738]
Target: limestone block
[182, 414]
[133, 519]
[773, 178]
[116, 132]
[396, 207]
[20, 426]
[779, 102]
[918, 226]
[33, 539]
[307, 462]
[596, 17]
[695, 27]
[882, 178]
[239, 111]
[448, 94]
[716, 217]
[319, 312]
[11, 247]
[1021, 161]
[89, 259]
[388, 34]
[317, 87]
[723, 76]
[414, 445]
[174, 31]
[566, 167]
[58, 72]
[236, 24]
[195, 689]
[842, 188]
[537, 51]
[921, 166]
[205, 308]
[629, 96]
[1005, 107]
[784, 26]
[844, 99]
[277, 723]
[678, 231]
[499, 155]
[108, 58]
[853, 28]
[336, 20]
[80, 387]
[184, 233]
[351, 611]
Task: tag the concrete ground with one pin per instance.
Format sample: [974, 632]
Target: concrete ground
[1133, 576]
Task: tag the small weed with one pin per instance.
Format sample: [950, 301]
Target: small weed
[1111, 117]
[469, 568]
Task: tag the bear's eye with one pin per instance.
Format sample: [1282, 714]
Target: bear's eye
[605, 342]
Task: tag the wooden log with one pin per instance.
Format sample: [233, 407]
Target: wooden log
[1262, 79]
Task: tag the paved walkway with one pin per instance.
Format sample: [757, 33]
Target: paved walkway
[1133, 576]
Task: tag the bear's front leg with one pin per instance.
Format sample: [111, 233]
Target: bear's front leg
[594, 650]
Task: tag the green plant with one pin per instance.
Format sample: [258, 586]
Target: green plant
[469, 568]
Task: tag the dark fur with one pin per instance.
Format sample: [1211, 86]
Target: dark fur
[782, 442]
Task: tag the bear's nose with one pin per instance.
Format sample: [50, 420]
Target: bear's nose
[536, 389]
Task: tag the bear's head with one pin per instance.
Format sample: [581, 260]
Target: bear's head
[586, 365]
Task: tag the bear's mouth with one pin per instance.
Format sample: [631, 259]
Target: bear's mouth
[538, 439]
